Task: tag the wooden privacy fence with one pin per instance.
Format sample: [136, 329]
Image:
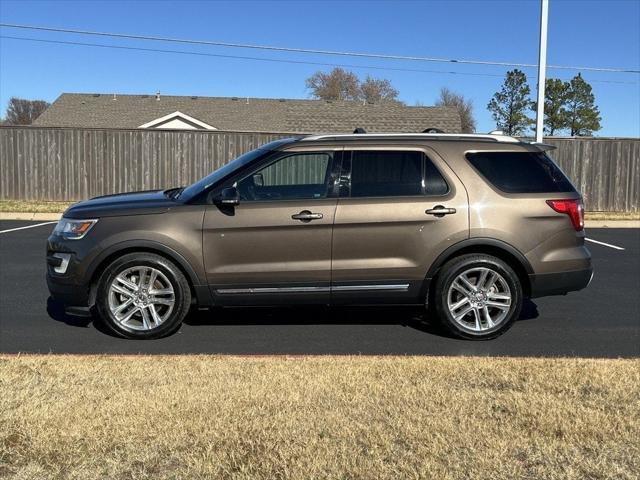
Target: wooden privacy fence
[605, 170]
[73, 164]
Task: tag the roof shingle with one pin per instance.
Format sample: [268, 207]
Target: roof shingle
[246, 114]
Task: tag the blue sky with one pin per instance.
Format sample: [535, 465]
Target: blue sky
[583, 33]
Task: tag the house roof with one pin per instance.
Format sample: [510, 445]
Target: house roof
[246, 114]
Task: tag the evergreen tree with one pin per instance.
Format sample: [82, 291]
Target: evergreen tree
[556, 96]
[509, 106]
[583, 115]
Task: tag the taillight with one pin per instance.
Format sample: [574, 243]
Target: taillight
[573, 208]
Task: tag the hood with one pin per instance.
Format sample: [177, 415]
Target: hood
[133, 203]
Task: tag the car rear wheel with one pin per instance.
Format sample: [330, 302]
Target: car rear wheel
[143, 296]
[477, 296]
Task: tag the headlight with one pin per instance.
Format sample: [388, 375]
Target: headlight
[73, 229]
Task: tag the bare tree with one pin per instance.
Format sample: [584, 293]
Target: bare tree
[21, 111]
[464, 106]
[342, 84]
[339, 84]
[377, 90]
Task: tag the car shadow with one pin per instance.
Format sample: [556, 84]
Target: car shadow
[57, 312]
[412, 317]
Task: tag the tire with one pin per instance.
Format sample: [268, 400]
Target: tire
[147, 311]
[499, 297]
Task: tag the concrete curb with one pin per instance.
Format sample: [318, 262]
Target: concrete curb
[46, 217]
[612, 223]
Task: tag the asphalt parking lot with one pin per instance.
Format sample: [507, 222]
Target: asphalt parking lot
[601, 321]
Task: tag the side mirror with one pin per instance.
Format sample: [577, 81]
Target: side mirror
[229, 196]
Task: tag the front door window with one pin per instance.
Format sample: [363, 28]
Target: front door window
[295, 176]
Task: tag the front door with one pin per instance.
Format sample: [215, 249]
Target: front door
[398, 209]
[275, 246]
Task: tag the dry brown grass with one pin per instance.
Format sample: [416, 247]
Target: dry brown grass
[612, 215]
[200, 417]
[18, 206]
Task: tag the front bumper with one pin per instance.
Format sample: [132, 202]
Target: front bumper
[69, 294]
[559, 283]
[67, 277]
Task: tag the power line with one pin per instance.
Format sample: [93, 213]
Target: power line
[312, 51]
[242, 57]
[263, 59]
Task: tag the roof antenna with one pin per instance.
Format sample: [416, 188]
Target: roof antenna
[432, 130]
[359, 130]
[158, 95]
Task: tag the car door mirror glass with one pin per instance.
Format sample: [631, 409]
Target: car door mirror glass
[258, 180]
[229, 196]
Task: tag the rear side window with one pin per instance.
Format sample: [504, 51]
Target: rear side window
[521, 172]
[394, 174]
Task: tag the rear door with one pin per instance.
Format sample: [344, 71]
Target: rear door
[399, 208]
[275, 246]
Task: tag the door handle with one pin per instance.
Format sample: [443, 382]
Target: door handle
[440, 211]
[306, 216]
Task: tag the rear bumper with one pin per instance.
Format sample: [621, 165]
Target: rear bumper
[559, 283]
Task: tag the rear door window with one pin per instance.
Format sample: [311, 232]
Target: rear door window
[521, 172]
[394, 174]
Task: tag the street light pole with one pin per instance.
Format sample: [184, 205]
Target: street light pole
[542, 69]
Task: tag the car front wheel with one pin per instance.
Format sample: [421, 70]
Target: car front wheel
[477, 296]
[142, 296]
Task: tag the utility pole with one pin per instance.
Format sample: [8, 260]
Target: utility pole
[542, 69]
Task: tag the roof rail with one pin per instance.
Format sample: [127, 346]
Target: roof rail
[431, 136]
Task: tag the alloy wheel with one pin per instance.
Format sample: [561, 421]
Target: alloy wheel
[479, 299]
[141, 298]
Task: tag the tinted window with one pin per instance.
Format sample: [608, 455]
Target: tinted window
[394, 174]
[434, 184]
[203, 184]
[521, 172]
[297, 176]
[206, 182]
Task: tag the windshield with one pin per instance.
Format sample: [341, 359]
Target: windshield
[203, 184]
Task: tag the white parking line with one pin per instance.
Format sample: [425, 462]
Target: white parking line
[604, 244]
[49, 223]
[28, 226]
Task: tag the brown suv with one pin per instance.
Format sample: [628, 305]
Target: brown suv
[466, 225]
